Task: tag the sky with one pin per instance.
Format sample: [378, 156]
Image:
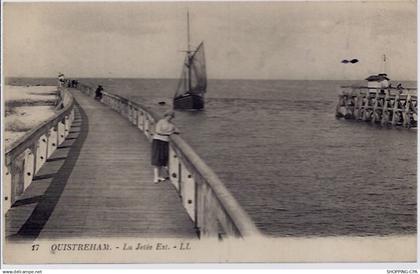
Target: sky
[242, 40]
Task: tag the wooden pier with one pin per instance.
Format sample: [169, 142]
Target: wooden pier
[87, 173]
[98, 183]
[387, 107]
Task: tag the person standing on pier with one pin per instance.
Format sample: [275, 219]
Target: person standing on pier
[160, 145]
[61, 80]
[98, 93]
[384, 82]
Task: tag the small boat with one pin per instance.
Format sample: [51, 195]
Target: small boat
[192, 85]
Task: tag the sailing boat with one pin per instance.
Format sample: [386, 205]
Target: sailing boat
[192, 85]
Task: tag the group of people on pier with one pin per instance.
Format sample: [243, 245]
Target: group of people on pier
[70, 83]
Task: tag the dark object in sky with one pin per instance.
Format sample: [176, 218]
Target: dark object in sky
[161, 103]
[353, 61]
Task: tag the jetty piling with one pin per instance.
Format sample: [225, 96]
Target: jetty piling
[387, 107]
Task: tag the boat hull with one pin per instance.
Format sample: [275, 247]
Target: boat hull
[189, 102]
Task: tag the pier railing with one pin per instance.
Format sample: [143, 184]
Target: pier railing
[26, 156]
[209, 204]
[386, 106]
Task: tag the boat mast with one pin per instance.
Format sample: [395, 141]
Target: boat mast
[189, 51]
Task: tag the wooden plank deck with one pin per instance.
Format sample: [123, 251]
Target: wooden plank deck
[99, 183]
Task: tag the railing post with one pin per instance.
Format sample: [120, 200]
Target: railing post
[28, 168]
[188, 191]
[67, 125]
[147, 126]
[209, 226]
[135, 114]
[52, 140]
[200, 209]
[126, 109]
[140, 120]
[34, 150]
[7, 189]
[17, 171]
[71, 118]
[151, 128]
[174, 168]
[41, 152]
[60, 133]
[130, 113]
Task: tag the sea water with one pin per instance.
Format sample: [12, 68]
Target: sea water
[294, 167]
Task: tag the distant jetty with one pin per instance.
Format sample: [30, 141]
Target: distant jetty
[379, 103]
[385, 106]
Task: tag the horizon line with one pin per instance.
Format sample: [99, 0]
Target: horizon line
[169, 78]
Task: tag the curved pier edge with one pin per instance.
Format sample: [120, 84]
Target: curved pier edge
[209, 204]
[24, 157]
[244, 226]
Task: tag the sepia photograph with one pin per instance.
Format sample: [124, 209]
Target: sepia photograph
[209, 132]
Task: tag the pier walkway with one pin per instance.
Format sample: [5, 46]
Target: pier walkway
[98, 183]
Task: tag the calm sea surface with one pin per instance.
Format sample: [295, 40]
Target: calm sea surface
[293, 167]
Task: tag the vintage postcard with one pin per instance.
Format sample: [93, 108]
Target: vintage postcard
[197, 132]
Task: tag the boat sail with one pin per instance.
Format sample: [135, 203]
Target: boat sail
[192, 84]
